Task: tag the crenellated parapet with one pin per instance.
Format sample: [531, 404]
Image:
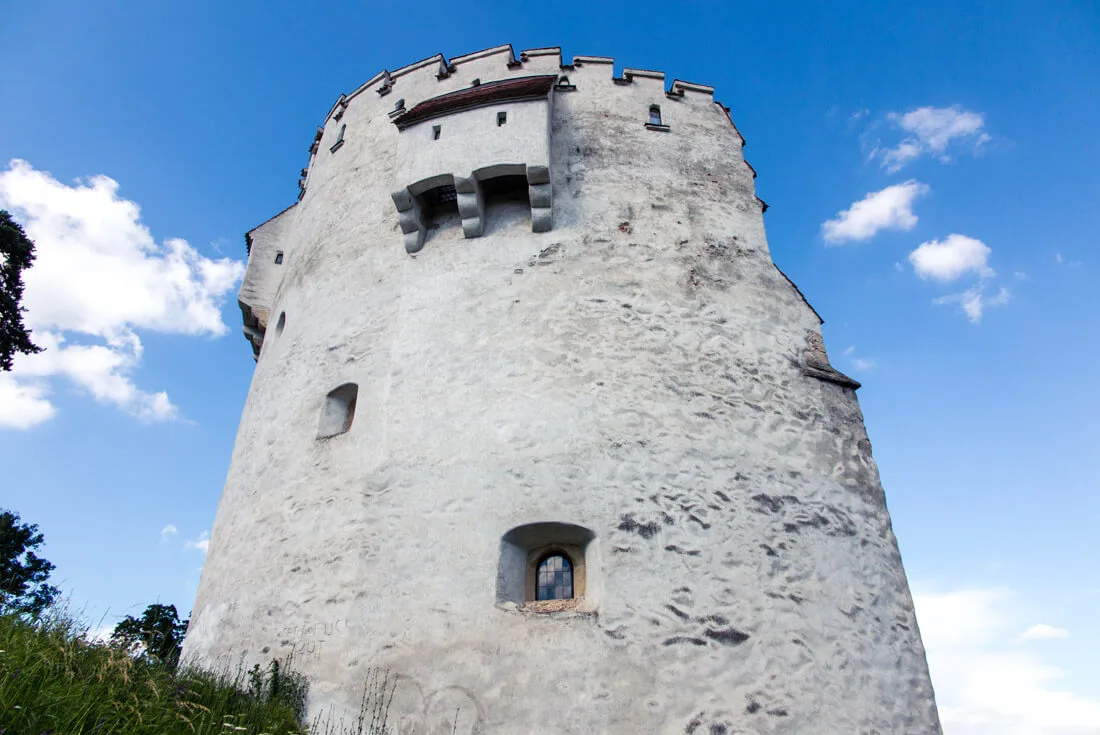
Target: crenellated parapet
[397, 92]
[496, 63]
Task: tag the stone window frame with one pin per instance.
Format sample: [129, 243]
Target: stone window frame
[524, 547]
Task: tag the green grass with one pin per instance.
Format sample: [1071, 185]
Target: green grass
[53, 681]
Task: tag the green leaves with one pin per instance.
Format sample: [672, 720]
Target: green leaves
[16, 255]
[158, 633]
[23, 574]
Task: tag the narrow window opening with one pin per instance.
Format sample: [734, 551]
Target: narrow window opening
[338, 411]
[436, 130]
[279, 258]
[655, 115]
[398, 109]
[563, 85]
[281, 324]
[502, 117]
[339, 140]
[555, 578]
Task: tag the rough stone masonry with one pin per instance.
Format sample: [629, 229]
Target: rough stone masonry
[525, 310]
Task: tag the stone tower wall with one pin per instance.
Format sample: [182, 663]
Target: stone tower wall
[641, 371]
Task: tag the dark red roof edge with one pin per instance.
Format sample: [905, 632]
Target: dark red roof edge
[505, 90]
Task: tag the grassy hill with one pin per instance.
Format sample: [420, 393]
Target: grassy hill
[53, 681]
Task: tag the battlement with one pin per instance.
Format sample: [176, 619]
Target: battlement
[499, 62]
[436, 86]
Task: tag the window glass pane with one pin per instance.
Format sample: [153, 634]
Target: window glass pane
[555, 579]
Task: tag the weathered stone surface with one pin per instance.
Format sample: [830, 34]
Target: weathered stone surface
[637, 371]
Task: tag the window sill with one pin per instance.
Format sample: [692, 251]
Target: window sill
[658, 128]
[550, 606]
[336, 146]
[566, 608]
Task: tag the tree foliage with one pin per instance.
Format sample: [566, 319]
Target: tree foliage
[23, 574]
[158, 633]
[16, 255]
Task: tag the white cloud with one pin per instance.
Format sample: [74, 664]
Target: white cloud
[168, 531]
[202, 543]
[953, 257]
[948, 259]
[974, 302]
[23, 405]
[931, 131]
[859, 364]
[101, 275]
[862, 365]
[99, 634]
[103, 370]
[983, 685]
[1042, 632]
[891, 208]
[1061, 260]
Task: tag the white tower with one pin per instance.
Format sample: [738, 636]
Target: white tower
[539, 428]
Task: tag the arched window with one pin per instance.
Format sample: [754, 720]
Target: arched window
[555, 578]
[654, 114]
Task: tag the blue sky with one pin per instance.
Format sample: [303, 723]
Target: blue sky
[923, 162]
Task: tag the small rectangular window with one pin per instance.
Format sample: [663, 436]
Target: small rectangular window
[502, 117]
[340, 140]
[654, 115]
[435, 132]
[279, 258]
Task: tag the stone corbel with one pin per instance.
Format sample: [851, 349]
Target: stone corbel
[541, 196]
[815, 363]
[471, 206]
[410, 219]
